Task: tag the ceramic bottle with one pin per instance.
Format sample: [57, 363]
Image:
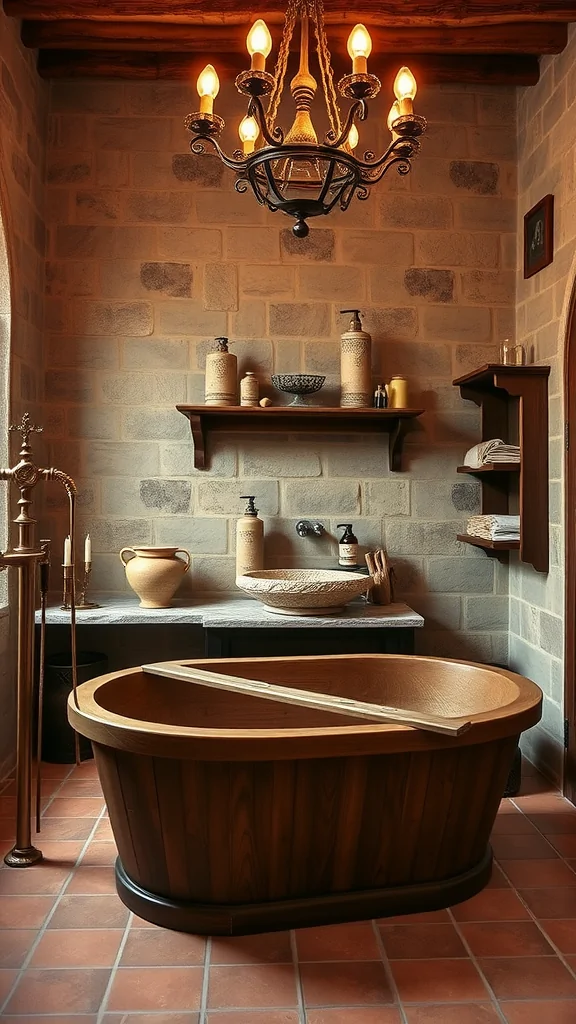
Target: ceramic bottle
[397, 391]
[221, 383]
[154, 573]
[348, 546]
[249, 539]
[249, 389]
[355, 364]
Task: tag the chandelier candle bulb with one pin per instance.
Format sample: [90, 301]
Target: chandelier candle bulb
[208, 86]
[353, 137]
[359, 49]
[405, 90]
[392, 117]
[259, 44]
[355, 364]
[248, 131]
[221, 376]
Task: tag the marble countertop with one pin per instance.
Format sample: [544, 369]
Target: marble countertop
[227, 611]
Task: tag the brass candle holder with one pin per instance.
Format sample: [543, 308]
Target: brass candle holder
[68, 574]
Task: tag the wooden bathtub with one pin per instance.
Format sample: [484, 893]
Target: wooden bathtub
[234, 814]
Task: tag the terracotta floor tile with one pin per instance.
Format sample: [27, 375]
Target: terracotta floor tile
[160, 988]
[491, 905]
[431, 917]
[90, 879]
[51, 991]
[256, 1017]
[556, 1012]
[72, 1018]
[80, 807]
[89, 912]
[85, 770]
[497, 879]
[417, 941]
[99, 853]
[539, 873]
[506, 938]
[338, 942]
[522, 847]
[555, 824]
[349, 1015]
[444, 1013]
[272, 948]
[65, 828]
[72, 947]
[24, 911]
[564, 843]
[259, 985]
[60, 853]
[55, 771]
[432, 981]
[42, 880]
[152, 1018]
[551, 903]
[7, 829]
[15, 946]
[513, 824]
[160, 948]
[562, 934]
[80, 788]
[544, 803]
[345, 984]
[543, 977]
[104, 832]
[7, 979]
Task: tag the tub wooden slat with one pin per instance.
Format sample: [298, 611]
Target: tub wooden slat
[350, 814]
[245, 881]
[443, 775]
[195, 814]
[387, 781]
[280, 839]
[219, 833]
[403, 854]
[112, 788]
[170, 797]
[502, 757]
[143, 813]
[314, 824]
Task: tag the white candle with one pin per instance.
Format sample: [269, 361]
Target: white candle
[67, 551]
[87, 549]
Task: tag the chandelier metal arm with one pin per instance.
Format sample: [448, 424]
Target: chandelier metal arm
[274, 137]
[359, 109]
[400, 149]
[197, 146]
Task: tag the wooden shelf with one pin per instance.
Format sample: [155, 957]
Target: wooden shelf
[493, 547]
[205, 419]
[492, 387]
[497, 467]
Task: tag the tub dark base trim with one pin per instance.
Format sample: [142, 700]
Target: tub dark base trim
[247, 918]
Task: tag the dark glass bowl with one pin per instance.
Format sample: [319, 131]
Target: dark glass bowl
[298, 384]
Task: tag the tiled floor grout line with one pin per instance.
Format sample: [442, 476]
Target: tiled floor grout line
[389, 972]
[205, 982]
[473, 958]
[49, 916]
[302, 1015]
[113, 972]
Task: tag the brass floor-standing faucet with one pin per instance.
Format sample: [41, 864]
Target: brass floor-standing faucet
[30, 558]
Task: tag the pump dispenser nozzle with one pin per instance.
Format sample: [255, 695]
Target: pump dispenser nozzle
[250, 509]
[355, 323]
[222, 344]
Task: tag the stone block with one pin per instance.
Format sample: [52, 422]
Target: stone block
[111, 535]
[121, 458]
[457, 249]
[491, 213]
[555, 107]
[252, 244]
[225, 207]
[177, 459]
[322, 357]
[286, 357]
[213, 575]
[262, 458]
[457, 107]
[154, 353]
[223, 498]
[540, 309]
[486, 613]
[83, 353]
[421, 360]
[386, 498]
[265, 280]
[203, 171]
[489, 286]
[356, 459]
[475, 176]
[403, 537]
[102, 318]
[440, 611]
[410, 211]
[189, 243]
[555, 501]
[108, 574]
[430, 285]
[159, 207]
[67, 278]
[444, 499]
[135, 134]
[220, 286]
[408, 576]
[68, 386]
[469, 357]
[320, 497]
[86, 97]
[283, 546]
[98, 206]
[158, 97]
[68, 131]
[385, 248]
[318, 246]
[63, 168]
[85, 422]
[493, 143]
[202, 535]
[174, 279]
[154, 425]
[497, 107]
[132, 388]
[187, 317]
[443, 139]
[455, 575]
[112, 168]
[400, 324]
[342, 284]
[172, 496]
[552, 634]
[100, 241]
[456, 323]
[387, 285]
[300, 319]
[249, 321]
[530, 662]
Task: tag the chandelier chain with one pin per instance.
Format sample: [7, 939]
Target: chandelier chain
[292, 13]
[326, 69]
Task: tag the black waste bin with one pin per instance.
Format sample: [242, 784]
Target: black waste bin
[57, 735]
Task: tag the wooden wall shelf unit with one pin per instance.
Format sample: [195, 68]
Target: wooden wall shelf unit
[491, 387]
[205, 419]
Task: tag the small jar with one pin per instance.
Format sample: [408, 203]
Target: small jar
[249, 389]
[397, 391]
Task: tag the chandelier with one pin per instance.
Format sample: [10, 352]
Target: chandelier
[295, 173]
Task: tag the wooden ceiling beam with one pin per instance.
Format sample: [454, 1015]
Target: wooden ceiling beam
[397, 13]
[429, 69]
[533, 37]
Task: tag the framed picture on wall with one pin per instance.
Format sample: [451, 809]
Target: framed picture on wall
[539, 236]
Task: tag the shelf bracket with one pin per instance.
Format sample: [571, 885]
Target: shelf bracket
[395, 439]
[199, 441]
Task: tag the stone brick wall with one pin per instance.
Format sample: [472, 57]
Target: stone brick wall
[546, 136]
[152, 254]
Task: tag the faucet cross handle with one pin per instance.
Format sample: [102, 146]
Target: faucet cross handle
[25, 427]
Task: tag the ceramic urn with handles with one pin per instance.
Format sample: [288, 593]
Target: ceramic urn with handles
[154, 573]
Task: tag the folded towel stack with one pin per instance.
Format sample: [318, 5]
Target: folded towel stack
[494, 527]
[491, 452]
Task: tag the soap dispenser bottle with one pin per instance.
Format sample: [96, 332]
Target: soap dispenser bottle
[249, 539]
[355, 364]
[221, 383]
[348, 547]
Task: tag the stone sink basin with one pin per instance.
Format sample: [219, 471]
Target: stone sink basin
[303, 591]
